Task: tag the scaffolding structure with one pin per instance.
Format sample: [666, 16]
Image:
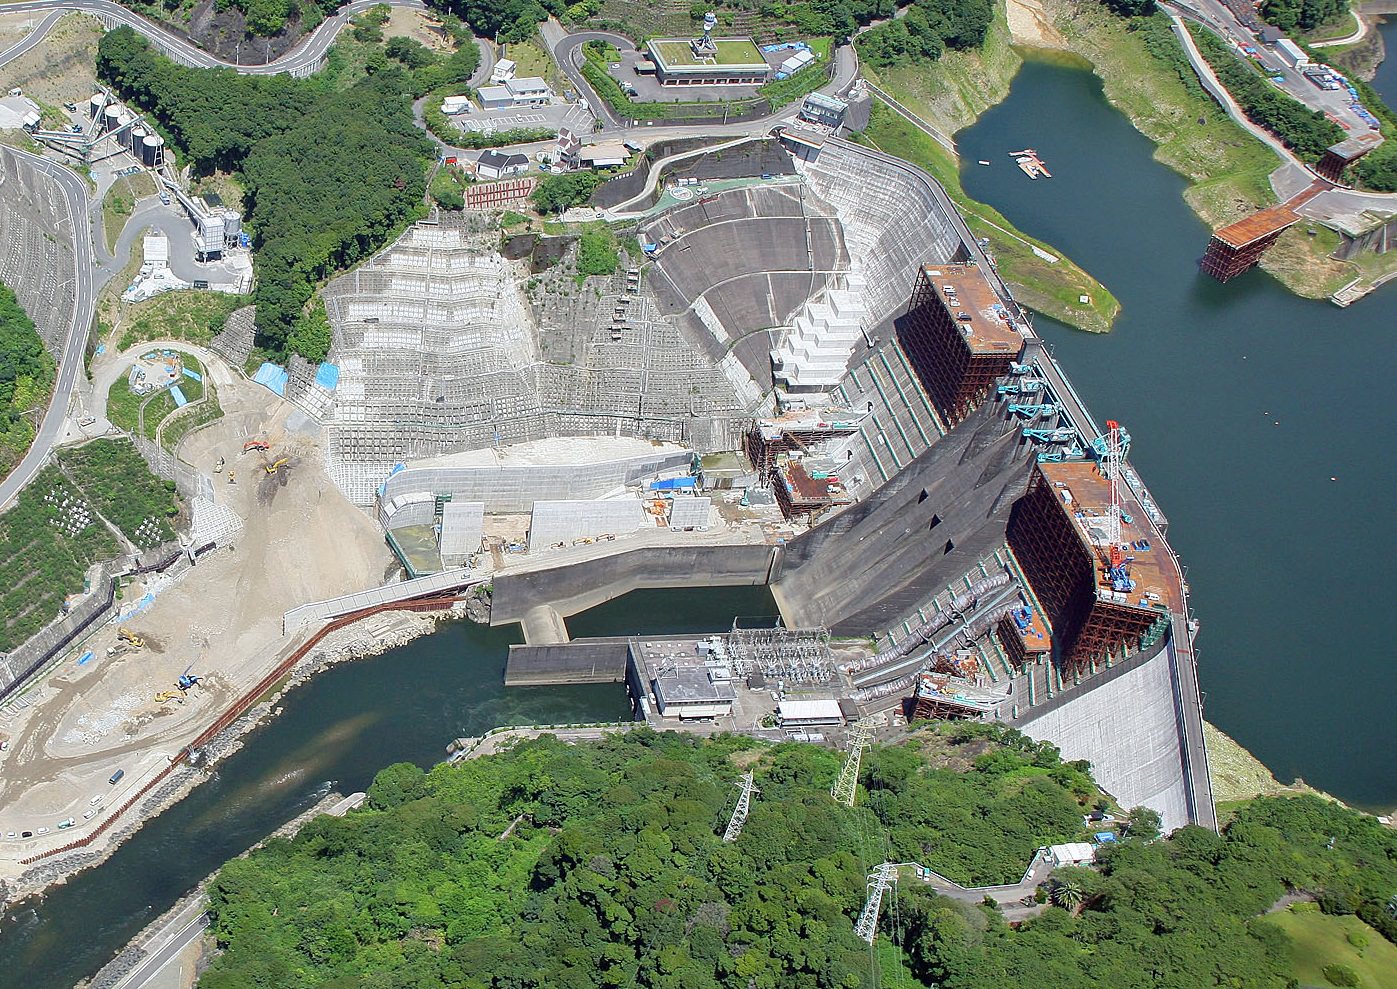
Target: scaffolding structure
[788, 655]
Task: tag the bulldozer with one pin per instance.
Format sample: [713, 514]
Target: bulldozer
[169, 695]
[128, 636]
[273, 468]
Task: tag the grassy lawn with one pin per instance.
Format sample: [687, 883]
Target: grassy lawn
[731, 51]
[191, 315]
[1321, 940]
[120, 201]
[531, 60]
[1052, 288]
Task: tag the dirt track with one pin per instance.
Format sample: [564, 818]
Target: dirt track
[301, 542]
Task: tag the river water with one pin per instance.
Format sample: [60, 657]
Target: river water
[336, 731]
[1385, 81]
[1243, 402]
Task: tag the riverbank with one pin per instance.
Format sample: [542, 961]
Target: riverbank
[951, 93]
[370, 637]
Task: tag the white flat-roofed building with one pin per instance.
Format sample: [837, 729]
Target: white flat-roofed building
[528, 91]
[1072, 853]
[456, 104]
[809, 714]
[692, 692]
[503, 71]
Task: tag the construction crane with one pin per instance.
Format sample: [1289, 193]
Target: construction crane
[130, 637]
[187, 681]
[744, 803]
[848, 783]
[880, 880]
[1111, 453]
[273, 468]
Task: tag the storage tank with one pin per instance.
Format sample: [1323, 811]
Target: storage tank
[122, 119]
[152, 150]
[94, 106]
[110, 117]
[136, 137]
[232, 224]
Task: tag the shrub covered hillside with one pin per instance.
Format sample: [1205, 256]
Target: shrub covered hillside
[26, 375]
[329, 176]
[602, 864]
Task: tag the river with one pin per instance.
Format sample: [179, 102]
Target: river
[336, 731]
[1243, 402]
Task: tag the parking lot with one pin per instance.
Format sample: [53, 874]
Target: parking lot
[570, 115]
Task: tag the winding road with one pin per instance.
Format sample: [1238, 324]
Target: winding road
[94, 266]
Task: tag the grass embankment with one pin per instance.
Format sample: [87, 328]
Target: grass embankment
[193, 315]
[1320, 941]
[143, 413]
[952, 92]
[1238, 776]
[1049, 287]
[120, 202]
[1146, 75]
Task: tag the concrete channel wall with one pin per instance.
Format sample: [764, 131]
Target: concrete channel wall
[572, 588]
[601, 660]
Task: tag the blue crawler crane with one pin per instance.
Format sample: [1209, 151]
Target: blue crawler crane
[186, 680]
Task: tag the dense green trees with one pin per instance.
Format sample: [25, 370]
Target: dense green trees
[329, 176]
[511, 20]
[601, 865]
[555, 193]
[26, 374]
[1306, 132]
[928, 29]
[1302, 15]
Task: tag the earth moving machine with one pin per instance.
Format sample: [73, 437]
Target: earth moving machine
[232, 477]
[218, 467]
[273, 468]
[169, 695]
[186, 681]
[255, 445]
[130, 637]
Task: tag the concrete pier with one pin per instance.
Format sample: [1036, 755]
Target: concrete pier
[601, 660]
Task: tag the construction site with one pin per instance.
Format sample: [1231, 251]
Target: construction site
[816, 383]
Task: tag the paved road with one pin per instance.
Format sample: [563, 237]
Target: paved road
[70, 360]
[183, 929]
[301, 60]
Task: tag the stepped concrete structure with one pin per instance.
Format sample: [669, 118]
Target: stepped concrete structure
[814, 353]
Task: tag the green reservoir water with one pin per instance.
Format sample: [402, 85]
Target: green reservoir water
[1243, 402]
[335, 732]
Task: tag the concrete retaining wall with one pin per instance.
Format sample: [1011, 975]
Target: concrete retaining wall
[589, 661]
[576, 587]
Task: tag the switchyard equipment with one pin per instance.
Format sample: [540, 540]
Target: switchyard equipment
[782, 654]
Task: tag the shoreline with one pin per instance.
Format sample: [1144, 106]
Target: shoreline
[342, 646]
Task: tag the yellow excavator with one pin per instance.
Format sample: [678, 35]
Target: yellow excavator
[169, 695]
[273, 468]
[128, 636]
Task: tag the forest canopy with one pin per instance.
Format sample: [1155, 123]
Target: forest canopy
[26, 375]
[329, 176]
[602, 864]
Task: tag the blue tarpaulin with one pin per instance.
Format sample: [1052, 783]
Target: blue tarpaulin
[193, 375]
[178, 396]
[674, 484]
[86, 658]
[327, 376]
[273, 377]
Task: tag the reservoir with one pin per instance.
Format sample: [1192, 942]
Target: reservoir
[1385, 81]
[1243, 401]
[336, 731]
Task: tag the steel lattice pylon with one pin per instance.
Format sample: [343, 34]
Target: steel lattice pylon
[744, 803]
[880, 880]
[848, 783]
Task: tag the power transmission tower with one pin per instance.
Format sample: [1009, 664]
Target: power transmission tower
[744, 803]
[880, 880]
[848, 783]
